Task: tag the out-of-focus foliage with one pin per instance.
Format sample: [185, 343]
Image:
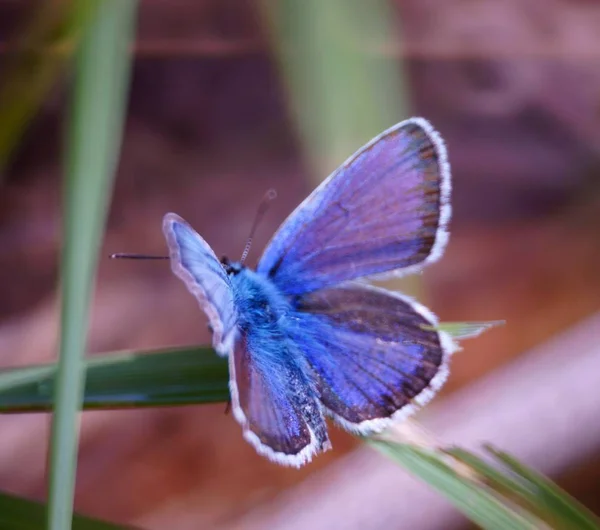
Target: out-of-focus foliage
[38, 57]
[101, 81]
[17, 513]
[511, 496]
[143, 379]
[505, 495]
[176, 376]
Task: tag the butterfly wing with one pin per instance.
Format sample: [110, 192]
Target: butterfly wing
[275, 401]
[195, 263]
[377, 355]
[385, 209]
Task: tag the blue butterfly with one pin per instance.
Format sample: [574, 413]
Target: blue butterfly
[305, 335]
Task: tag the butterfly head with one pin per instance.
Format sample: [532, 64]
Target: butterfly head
[231, 267]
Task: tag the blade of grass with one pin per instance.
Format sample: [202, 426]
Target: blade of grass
[174, 376]
[466, 330]
[503, 484]
[197, 375]
[477, 502]
[101, 79]
[549, 495]
[17, 513]
[340, 96]
[529, 489]
[166, 378]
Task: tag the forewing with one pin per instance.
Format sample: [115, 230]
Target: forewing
[376, 354]
[276, 404]
[195, 263]
[385, 209]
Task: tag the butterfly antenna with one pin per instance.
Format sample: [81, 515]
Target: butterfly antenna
[124, 255]
[262, 209]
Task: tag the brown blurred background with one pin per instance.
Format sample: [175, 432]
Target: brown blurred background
[513, 87]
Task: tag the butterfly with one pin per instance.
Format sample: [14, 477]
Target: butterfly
[305, 335]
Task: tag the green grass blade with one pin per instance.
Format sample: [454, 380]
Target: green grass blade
[166, 378]
[466, 330]
[197, 375]
[341, 96]
[500, 482]
[17, 513]
[549, 497]
[476, 501]
[101, 80]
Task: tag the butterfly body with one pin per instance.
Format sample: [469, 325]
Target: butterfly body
[260, 303]
[305, 335]
[266, 320]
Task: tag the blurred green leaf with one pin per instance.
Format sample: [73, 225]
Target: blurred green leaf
[36, 61]
[97, 114]
[562, 510]
[480, 503]
[466, 330]
[166, 378]
[500, 482]
[490, 492]
[486, 494]
[341, 96]
[17, 513]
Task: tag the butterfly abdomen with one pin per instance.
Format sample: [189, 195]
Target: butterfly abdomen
[265, 316]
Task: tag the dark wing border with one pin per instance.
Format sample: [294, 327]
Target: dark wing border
[314, 446]
[447, 345]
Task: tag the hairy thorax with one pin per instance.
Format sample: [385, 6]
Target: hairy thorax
[261, 303]
[268, 322]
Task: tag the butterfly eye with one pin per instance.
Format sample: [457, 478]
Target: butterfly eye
[226, 264]
[230, 267]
